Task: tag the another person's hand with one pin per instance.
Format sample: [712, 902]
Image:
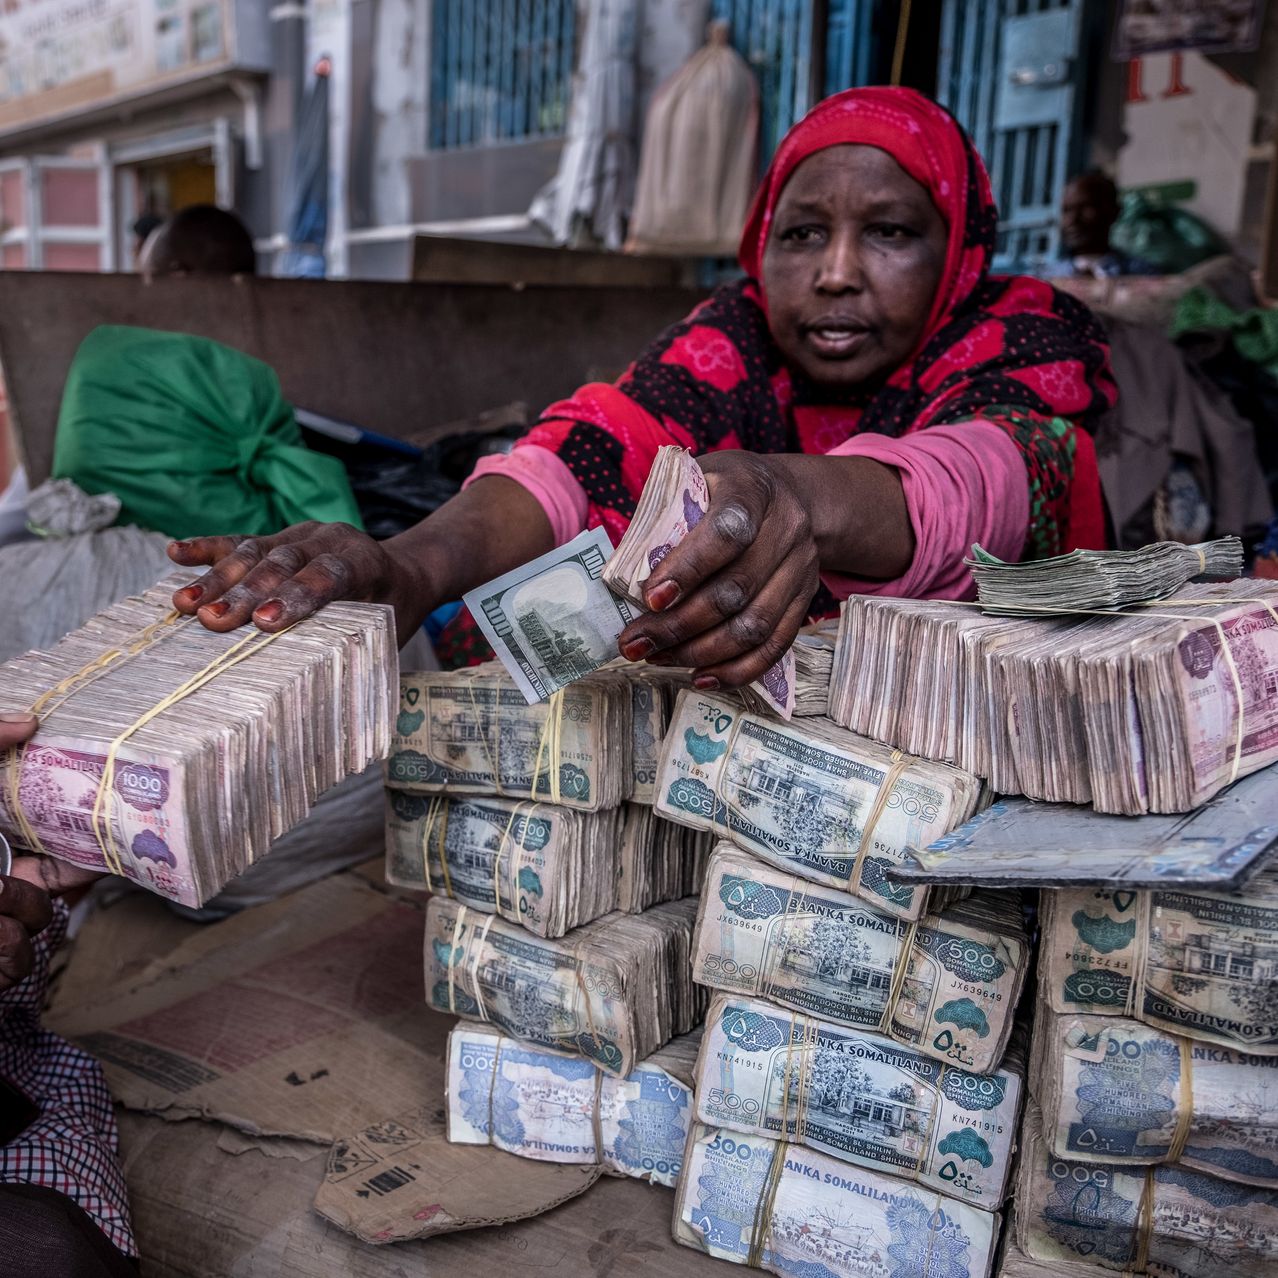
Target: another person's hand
[25, 910]
[276, 581]
[731, 597]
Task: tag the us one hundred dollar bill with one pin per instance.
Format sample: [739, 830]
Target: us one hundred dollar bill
[612, 991]
[1167, 1222]
[801, 797]
[1204, 964]
[860, 1098]
[547, 868]
[544, 1105]
[1115, 1091]
[553, 620]
[763, 932]
[823, 1218]
[471, 732]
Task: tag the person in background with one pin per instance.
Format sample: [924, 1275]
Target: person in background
[142, 229]
[64, 1209]
[1089, 209]
[866, 403]
[199, 240]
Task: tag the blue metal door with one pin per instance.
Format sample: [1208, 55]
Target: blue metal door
[783, 44]
[1011, 71]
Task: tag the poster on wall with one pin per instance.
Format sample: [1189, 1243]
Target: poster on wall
[1209, 26]
[59, 57]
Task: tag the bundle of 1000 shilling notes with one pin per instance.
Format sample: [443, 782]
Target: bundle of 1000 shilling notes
[811, 798]
[548, 868]
[791, 1210]
[860, 1098]
[174, 755]
[1154, 709]
[946, 985]
[472, 732]
[613, 991]
[1164, 1221]
[543, 1104]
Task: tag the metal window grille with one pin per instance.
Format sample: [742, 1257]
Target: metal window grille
[501, 70]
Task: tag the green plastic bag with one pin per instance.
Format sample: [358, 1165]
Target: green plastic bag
[195, 438]
[1169, 239]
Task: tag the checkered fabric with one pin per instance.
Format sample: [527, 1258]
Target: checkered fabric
[73, 1147]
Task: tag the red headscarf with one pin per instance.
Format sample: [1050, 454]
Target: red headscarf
[928, 144]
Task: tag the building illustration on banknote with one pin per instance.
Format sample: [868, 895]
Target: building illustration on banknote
[783, 795]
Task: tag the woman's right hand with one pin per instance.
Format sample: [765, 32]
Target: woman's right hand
[276, 581]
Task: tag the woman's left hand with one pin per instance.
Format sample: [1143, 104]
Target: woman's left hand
[730, 598]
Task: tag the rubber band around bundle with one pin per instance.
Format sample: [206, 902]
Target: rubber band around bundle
[492, 1089]
[52, 698]
[596, 1117]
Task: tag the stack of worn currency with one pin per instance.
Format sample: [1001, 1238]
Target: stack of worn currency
[613, 991]
[946, 986]
[1169, 1222]
[674, 500]
[175, 756]
[811, 798]
[549, 869]
[1152, 1145]
[658, 860]
[546, 1105]
[472, 732]
[860, 1097]
[653, 690]
[791, 1210]
[1152, 710]
[813, 663]
[1086, 580]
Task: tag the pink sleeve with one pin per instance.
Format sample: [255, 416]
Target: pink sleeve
[548, 479]
[963, 483]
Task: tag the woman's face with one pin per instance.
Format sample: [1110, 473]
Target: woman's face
[852, 263]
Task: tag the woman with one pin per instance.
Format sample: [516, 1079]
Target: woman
[867, 403]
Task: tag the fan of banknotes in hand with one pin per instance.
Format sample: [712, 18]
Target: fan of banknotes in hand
[557, 618]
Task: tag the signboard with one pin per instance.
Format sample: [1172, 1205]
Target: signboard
[1210, 26]
[61, 57]
[1188, 123]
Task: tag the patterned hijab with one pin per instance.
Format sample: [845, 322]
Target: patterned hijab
[1007, 341]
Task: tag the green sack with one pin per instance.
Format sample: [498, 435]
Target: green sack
[1169, 239]
[193, 437]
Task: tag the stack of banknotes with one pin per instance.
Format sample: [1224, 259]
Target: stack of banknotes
[1153, 1143]
[1166, 1221]
[658, 860]
[546, 1105]
[1201, 964]
[175, 756]
[472, 732]
[792, 1210]
[860, 1097]
[811, 798]
[1088, 580]
[613, 991]
[946, 986]
[549, 869]
[813, 663]
[653, 690]
[1155, 709]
